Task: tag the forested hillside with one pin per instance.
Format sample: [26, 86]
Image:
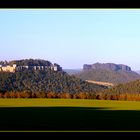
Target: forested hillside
[127, 88]
[34, 81]
[103, 75]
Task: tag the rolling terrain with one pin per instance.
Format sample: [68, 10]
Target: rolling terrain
[72, 71]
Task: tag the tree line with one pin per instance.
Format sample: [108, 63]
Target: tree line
[99, 96]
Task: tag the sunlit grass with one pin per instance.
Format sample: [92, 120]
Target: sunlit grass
[107, 104]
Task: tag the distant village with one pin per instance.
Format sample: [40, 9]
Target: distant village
[13, 68]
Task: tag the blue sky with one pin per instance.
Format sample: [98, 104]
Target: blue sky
[71, 38]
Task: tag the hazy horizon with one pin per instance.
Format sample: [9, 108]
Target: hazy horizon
[71, 38]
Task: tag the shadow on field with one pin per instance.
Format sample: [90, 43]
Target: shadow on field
[68, 118]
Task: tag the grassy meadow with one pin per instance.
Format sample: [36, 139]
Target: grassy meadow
[69, 115]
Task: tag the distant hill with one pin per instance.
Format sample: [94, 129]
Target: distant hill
[72, 71]
[38, 81]
[107, 66]
[108, 72]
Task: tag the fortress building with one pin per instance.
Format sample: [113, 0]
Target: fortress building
[8, 68]
[14, 68]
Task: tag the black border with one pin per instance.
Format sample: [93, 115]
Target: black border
[69, 135]
[49, 4]
[69, 4]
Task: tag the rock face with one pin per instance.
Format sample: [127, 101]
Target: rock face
[107, 66]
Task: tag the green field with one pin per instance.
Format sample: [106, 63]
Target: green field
[69, 115]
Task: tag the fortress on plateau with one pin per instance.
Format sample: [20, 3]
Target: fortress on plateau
[15, 67]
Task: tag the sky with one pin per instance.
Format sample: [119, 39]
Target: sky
[71, 37]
